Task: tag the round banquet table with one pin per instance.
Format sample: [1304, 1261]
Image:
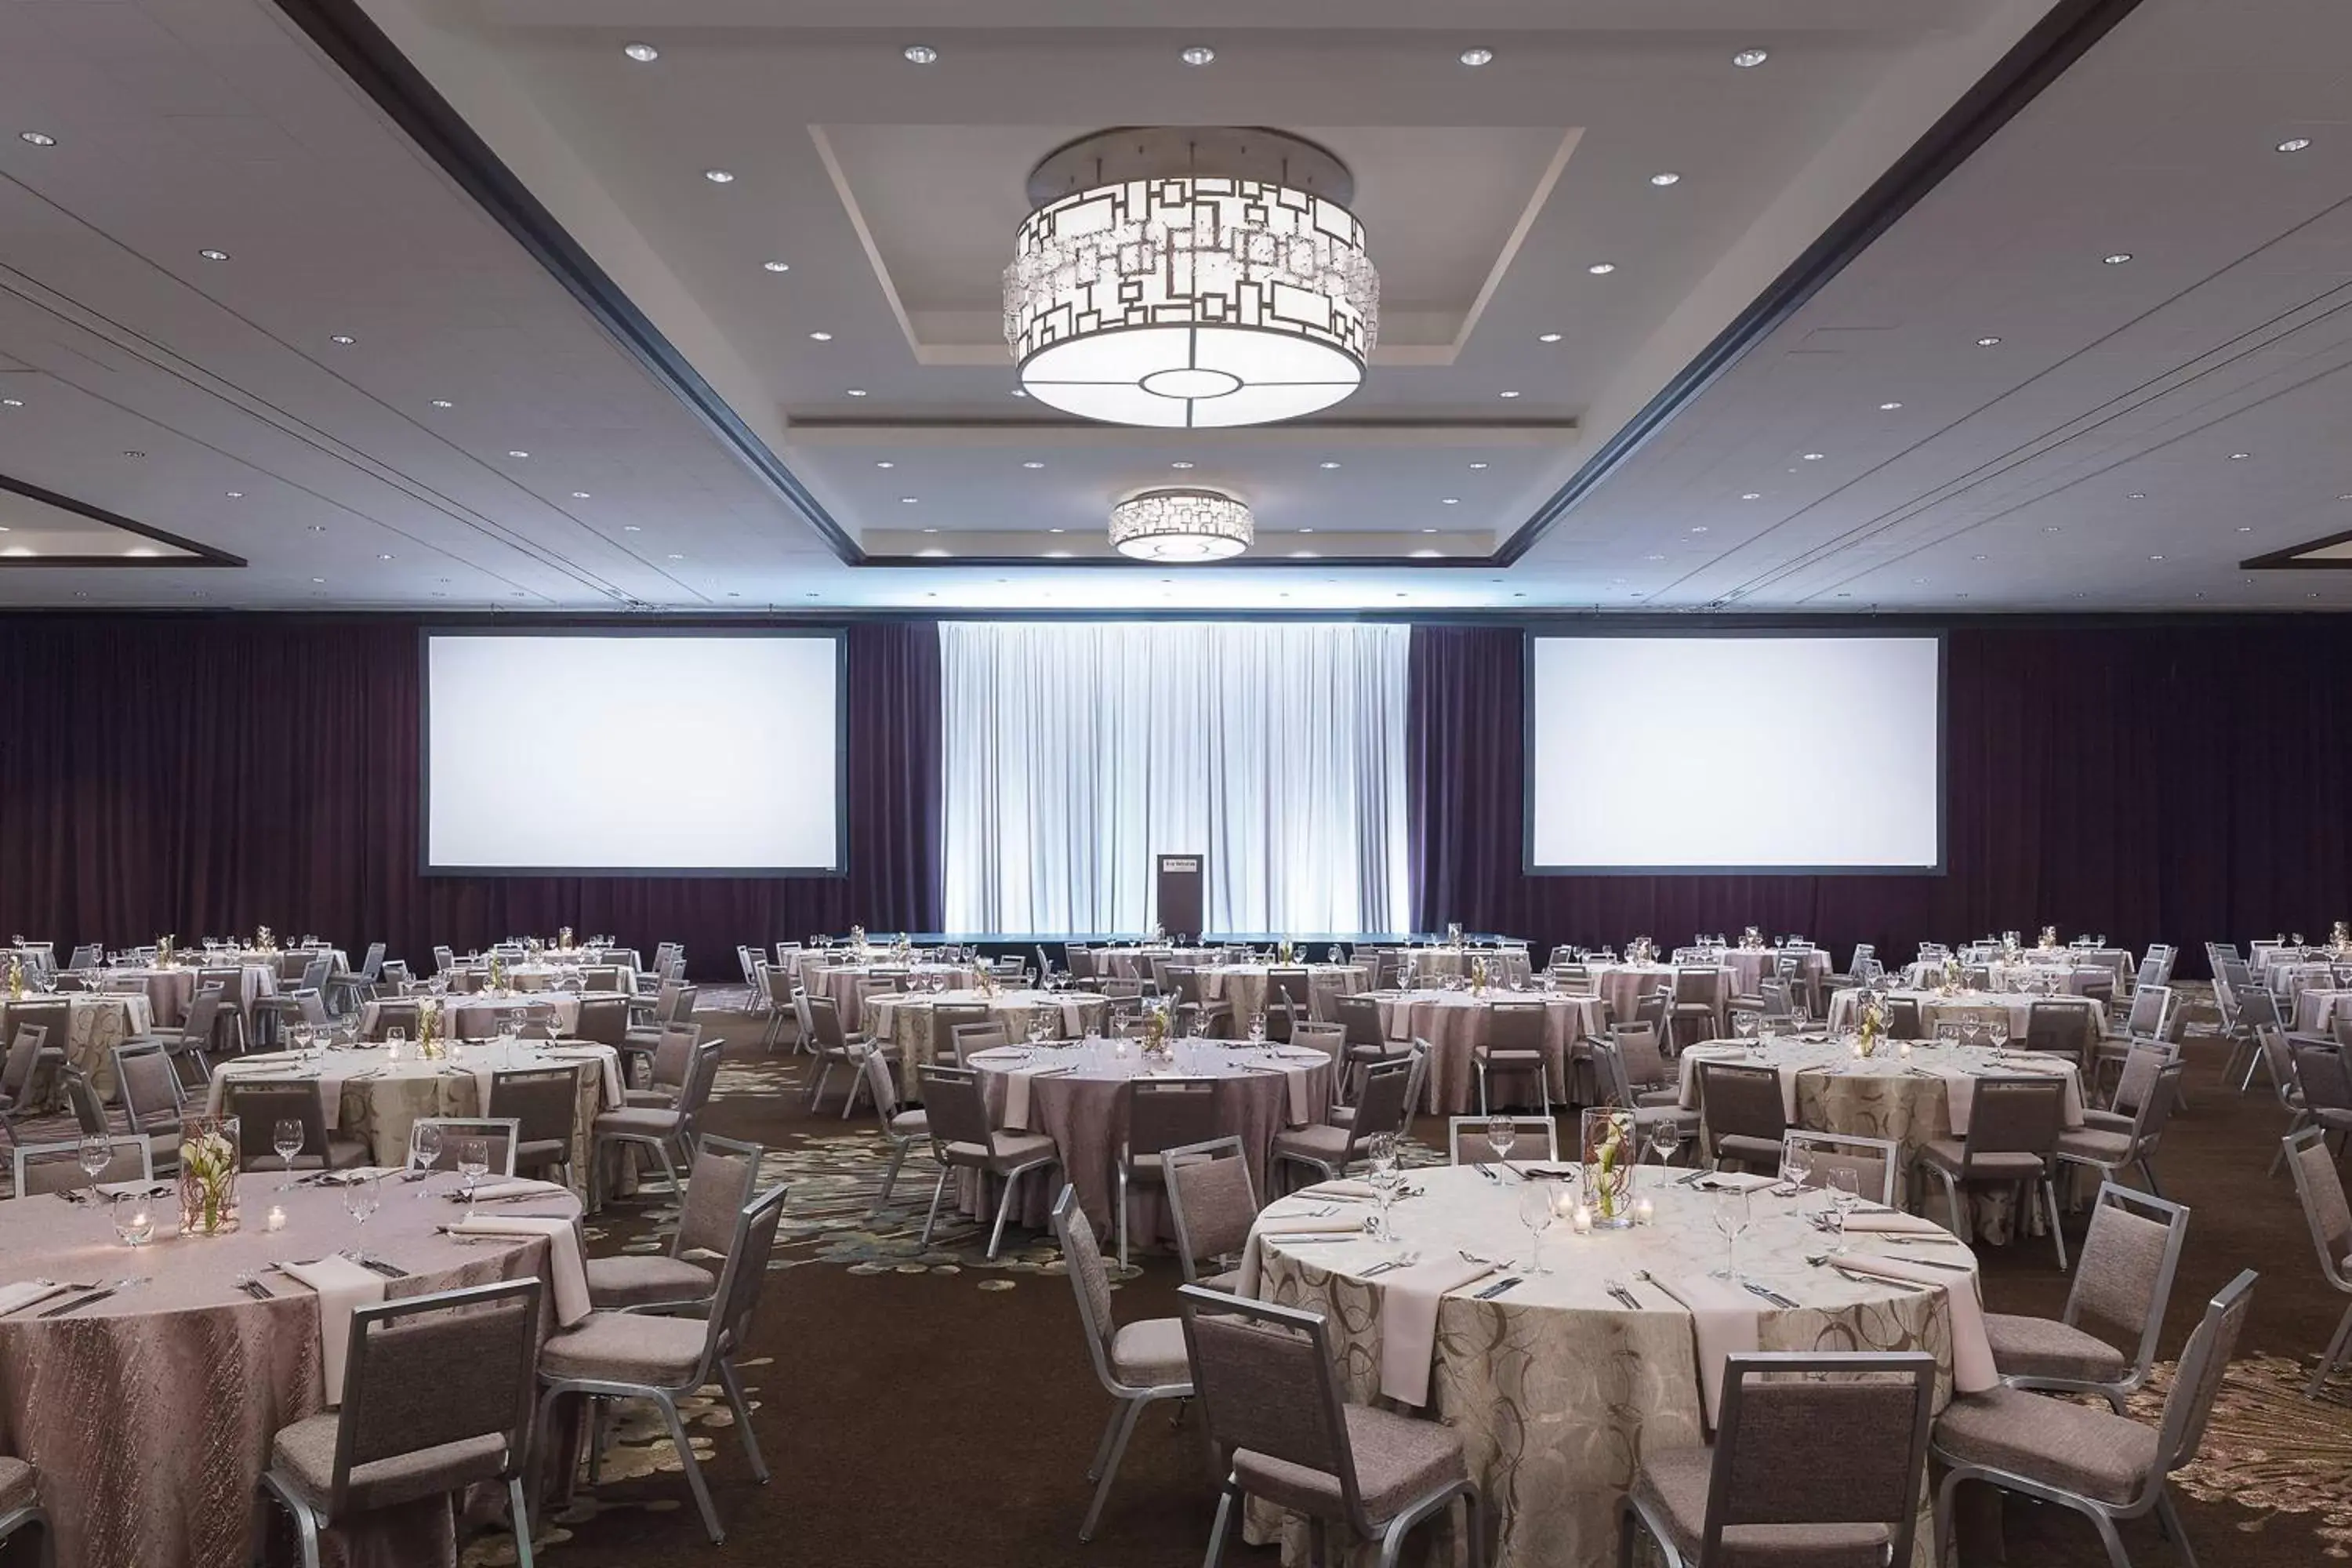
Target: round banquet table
[904, 1020]
[1135, 962]
[1908, 1098]
[476, 1016]
[169, 991]
[1554, 1387]
[2018, 978]
[1751, 966]
[366, 1094]
[840, 982]
[1077, 1096]
[1935, 1008]
[1622, 986]
[1244, 985]
[2315, 1010]
[95, 1024]
[150, 1414]
[1502, 962]
[1455, 1021]
[542, 975]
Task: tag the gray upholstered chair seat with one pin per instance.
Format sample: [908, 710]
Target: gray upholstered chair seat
[1671, 1099]
[2055, 1441]
[2044, 1347]
[622, 1347]
[2108, 1121]
[1230, 1281]
[1747, 1150]
[1949, 1154]
[536, 1152]
[653, 1098]
[2097, 1144]
[645, 1120]
[16, 1484]
[638, 1280]
[304, 1454]
[1150, 1354]
[1674, 1484]
[1398, 1459]
[1327, 1142]
[1004, 1148]
[911, 1124]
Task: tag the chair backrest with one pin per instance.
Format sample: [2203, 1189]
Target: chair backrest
[673, 1055]
[743, 1280]
[2142, 1062]
[2019, 1115]
[2150, 1006]
[1739, 1099]
[2130, 1256]
[966, 1039]
[2203, 1362]
[1090, 1281]
[824, 1021]
[1331, 1040]
[1650, 1008]
[499, 1135]
[426, 1371]
[373, 966]
[605, 1019]
[1877, 1162]
[387, 1016]
[721, 1183]
[260, 1107]
[1775, 1408]
[151, 1090]
[2326, 1210]
[948, 1018]
[1212, 1203]
[22, 1052]
[45, 1168]
[1697, 983]
[2321, 1073]
[1385, 1104]
[1263, 1377]
[1516, 1026]
[952, 1104]
[1639, 1051]
[1360, 1017]
[1903, 1021]
[1467, 1143]
[701, 1077]
[543, 1102]
[1168, 1113]
[90, 1112]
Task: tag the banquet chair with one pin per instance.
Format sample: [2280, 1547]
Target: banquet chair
[969, 1039]
[2321, 1072]
[685, 1278]
[544, 1104]
[260, 1106]
[2105, 1467]
[20, 1510]
[2123, 1278]
[87, 955]
[1466, 1143]
[603, 1019]
[1648, 1080]
[1367, 1044]
[1857, 969]
[2064, 1028]
[2110, 1140]
[445, 959]
[230, 1020]
[1775, 1003]
[672, 1063]
[673, 1006]
[963, 1138]
[1904, 1021]
[950, 1019]
[1514, 1043]
[1331, 1040]
[902, 1127]
[1211, 1207]
[1161, 1113]
[436, 1399]
[607, 977]
[832, 1048]
[1698, 1006]
[388, 1016]
[2151, 1010]
[1877, 1162]
[153, 1101]
[2326, 1210]
[2012, 1140]
[45, 1168]
[1741, 1115]
[1383, 1105]
[1264, 1377]
[1758, 1495]
[20, 1075]
[668, 1131]
[1137, 1364]
[783, 1003]
[1650, 1011]
[500, 1137]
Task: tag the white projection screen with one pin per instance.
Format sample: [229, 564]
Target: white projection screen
[1739, 752]
[645, 752]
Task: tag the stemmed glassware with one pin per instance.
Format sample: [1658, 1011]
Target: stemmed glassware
[1384, 1174]
[286, 1137]
[1667, 1142]
[1796, 1165]
[1846, 1191]
[93, 1155]
[1744, 1025]
[1501, 1134]
[473, 1164]
[363, 1195]
[423, 1151]
[1536, 1213]
[1731, 1218]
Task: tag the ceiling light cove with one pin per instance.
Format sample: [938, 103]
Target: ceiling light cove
[1198, 55]
[643, 54]
[1181, 525]
[1475, 57]
[1192, 277]
[719, 176]
[919, 55]
[1749, 60]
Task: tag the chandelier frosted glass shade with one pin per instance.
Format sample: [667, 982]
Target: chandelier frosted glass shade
[1191, 301]
[1180, 525]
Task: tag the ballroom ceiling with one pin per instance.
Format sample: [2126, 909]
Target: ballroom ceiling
[257, 305]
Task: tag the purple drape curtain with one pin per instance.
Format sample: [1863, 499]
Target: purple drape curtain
[206, 776]
[2169, 782]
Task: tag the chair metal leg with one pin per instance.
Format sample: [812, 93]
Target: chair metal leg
[1228, 1504]
[521, 1514]
[1122, 1216]
[939, 1191]
[600, 1434]
[1941, 1520]
[2329, 1357]
[898, 1147]
[1004, 1210]
[732, 1383]
[693, 1468]
[1102, 1445]
[856, 1085]
[1481, 1089]
[2057, 1235]
[2148, 1175]
[1123, 1428]
[823, 1073]
[2116, 1556]
[2169, 1516]
[1473, 1510]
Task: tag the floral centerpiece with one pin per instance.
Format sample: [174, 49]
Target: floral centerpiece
[1751, 941]
[1453, 933]
[1605, 1175]
[1155, 1032]
[1478, 976]
[2339, 939]
[2011, 949]
[15, 976]
[2049, 941]
[1870, 1025]
[563, 939]
[263, 942]
[208, 1161]
[857, 940]
[1641, 950]
[1951, 976]
[429, 1041]
[1282, 952]
[163, 950]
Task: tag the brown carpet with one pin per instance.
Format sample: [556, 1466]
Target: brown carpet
[944, 1412]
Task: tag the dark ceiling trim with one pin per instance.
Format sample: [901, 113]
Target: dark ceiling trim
[2295, 557]
[2064, 35]
[350, 37]
[195, 554]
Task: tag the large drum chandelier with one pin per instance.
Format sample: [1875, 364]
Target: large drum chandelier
[1180, 525]
[1193, 277]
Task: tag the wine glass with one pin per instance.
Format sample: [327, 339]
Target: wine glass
[1796, 1165]
[1744, 1025]
[1667, 1140]
[1536, 1213]
[1997, 1028]
[1384, 1173]
[1258, 1028]
[1846, 1191]
[395, 1042]
[473, 1164]
[1731, 1218]
[286, 1137]
[423, 1151]
[94, 1154]
[363, 1195]
[1501, 1134]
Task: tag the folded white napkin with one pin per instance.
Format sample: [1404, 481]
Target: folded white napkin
[1408, 1302]
[520, 1187]
[1972, 1365]
[1734, 1181]
[564, 1261]
[17, 1296]
[340, 1285]
[356, 1174]
[1892, 1221]
[1342, 1189]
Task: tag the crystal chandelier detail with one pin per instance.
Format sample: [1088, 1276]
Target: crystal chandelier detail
[1192, 278]
[1181, 525]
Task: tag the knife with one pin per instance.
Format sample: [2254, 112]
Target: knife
[62, 1308]
[1767, 1292]
[1937, 1263]
[1498, 1287]
[389, 1270]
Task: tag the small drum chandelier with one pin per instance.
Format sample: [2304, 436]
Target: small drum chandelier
[1180, 525]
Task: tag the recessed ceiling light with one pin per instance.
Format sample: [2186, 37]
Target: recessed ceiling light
[631, 528]
[343, 340]
[1057, 530]
[517, 452]
[1548, 338]
[820, 337]
[1665, 177]
[1198, 55]
[318, 579]
[777, 266]
[1888, 407]
[1653, 558]
[318, 528]
[919, 55]
[134, 454]
[1507, 395]
[856, 392]
[2117, 258]
[1306, 531]
[443, 403]
[1429, 530]
[1918, 579]
[1700, 528]
[1988, 342]
[1815, 457]
[2136, 495]
[909, 500]
[885, 463]
[1475, 467]
[37, 138]
[677, 557]
[1978, 558]
[1474, 56]
[1450, 501]
[1032, 463]
[1751, 495]
[1179, 463]
[384, 557]
[2291, 144]
[211, 254]
[2048, 528]
[2239, 457]
[2156, 558]
[1749, 60]
[643, 54]
[1328, 465]
[2245, 528]
[582, 495]
[236, 495]
[12, 403]
[1018, 393]
[719, 176]
[1601, 268]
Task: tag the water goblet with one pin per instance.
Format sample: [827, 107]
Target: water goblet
[286, 1137]
[94, 1154]
[1667, 1142]
[1744, 1023]
[1846, 1191]
[1501, 1134]
[1536, 1213]
[1731, 1218]
[473, 1164]
[1796, 1165]
[423, 1151]
[363, 1195]
[134, 1218]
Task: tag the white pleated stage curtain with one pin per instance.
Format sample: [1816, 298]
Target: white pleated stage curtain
[1074, 751]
